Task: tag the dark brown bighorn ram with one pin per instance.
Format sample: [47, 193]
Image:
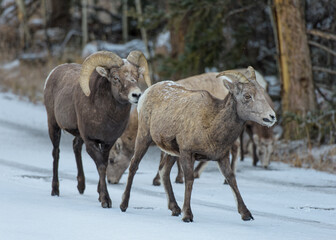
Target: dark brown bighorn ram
[92, 101]
[195, 125]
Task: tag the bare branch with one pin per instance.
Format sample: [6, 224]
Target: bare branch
[322, 69]
[323, 95]
[236, 11]
[315, 44]
[321, 34]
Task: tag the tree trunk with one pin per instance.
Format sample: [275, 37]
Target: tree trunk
[60, 13]
[23, 29]
[84, 23]
[298, 95]
[178, 30]
[124, 21]
[144, 36]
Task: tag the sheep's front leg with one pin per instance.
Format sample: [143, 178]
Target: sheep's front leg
[100, 157]
[77, 148]
[234, 153]
[142, 143]
[187, 163]
[224, 165]
[166, 165]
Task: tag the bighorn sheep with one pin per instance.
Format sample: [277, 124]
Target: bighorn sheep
[92, 101]
[262, 143]
[195, 125]
[122, 152]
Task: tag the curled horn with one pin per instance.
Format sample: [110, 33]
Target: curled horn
[238, 75]
[101, 58]
[138, 59]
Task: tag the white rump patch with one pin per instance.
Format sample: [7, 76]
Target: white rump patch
[142, 99]
[169, 153]
[45, 84]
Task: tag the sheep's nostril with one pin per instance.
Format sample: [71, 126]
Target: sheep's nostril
[136, 95]
[266, 120]
[273, 117]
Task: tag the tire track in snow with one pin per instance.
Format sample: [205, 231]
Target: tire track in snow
[162, 195]
[328, 189]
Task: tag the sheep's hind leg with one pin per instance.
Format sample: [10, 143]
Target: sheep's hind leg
[141, 145]
[187, 163]
[77, 148]
[156, 179]
[224, 165]
[100, 157]
[179, 177]
[166, 165]
[55, 137]
[199, 168]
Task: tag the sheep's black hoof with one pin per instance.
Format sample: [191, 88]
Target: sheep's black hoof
[81, 188]
[156, 182]
[123, 207]
[55, 192]
[187, 219]
[247, 217]
[81, 184]
[105, 201]
[176, 211]
[226, 182]
[55, 188]
[179, 180]
[106, 204]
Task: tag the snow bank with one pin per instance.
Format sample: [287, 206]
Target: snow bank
[121, 50]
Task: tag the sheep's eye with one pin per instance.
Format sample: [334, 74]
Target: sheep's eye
[116, 79]
[247, 96]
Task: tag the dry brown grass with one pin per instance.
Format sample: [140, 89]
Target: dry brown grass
[27, 79]
[298, 154]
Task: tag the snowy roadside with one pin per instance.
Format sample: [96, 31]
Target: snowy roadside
[287, 203]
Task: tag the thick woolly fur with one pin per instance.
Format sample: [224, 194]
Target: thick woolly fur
[196, 125]
[97, 120]
[120, 155]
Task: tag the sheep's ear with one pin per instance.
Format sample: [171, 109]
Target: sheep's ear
[102, 71]
[228, 83]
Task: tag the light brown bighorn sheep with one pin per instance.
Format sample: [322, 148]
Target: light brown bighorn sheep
[262, 140]
[262, 143]
[92, 101]
[123, 150]
[195, 125]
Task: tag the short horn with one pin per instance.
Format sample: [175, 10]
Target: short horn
[101, 58]
[238, 75]
[251, 70]
[138, 59]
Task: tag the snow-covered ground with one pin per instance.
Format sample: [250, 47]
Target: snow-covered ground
[287, 203]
